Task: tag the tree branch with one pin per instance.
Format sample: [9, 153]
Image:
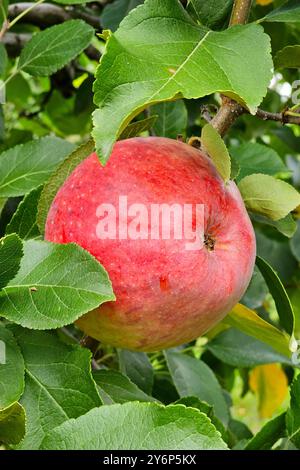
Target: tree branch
[48, 14]
[283, 117]
[230, 110]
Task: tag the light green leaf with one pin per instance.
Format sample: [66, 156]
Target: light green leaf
[12, 424]
[209, 12]
[55, 285]
[57, 179]
[240, 350]
[136, 128]
[215, 147]
[295, 243]
[172, 118]
[257, 158]
[279, 294]
[268, 196]
[115, 387]
[11, 252]
[26, 166]
[51, 49]
[159, 53]
[136, 426]
[193, 377]
[23, 221]
[11, 369]
[293, 414]
[113, 13]
[289, 12]
[268, 434]
[58, 386]
[249, 322]
[137, 366]
[288, 57]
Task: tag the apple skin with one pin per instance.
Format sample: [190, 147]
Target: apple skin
[166, 295]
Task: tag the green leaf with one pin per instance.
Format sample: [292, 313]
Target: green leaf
[57, 179]
[256, 291]
[209, 12]
[58, 386]
[172, 118]
[257, 158]
[26, 166]
[136, 128]
[115, 387]
[287, 226]
[249, 322]
[11, 369]
[72, 2]
[268, 435]
[240, 350]
[295, 243]
[208, 410]
[136, 426]
[23, 221]
[55, 285]
[11, 252]
[293, 414]
[289, 12]
[288, 57]
[12, 424]
[114, 13]
[193, 377]
[159, 53]
[51, 49]
[268, 196]
[215, 147]
[137, 366]
[279, 294]
[3, 59]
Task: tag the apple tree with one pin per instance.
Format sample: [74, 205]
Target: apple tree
[75, 77]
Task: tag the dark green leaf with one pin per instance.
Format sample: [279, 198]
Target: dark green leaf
[293, 414]
[11, 252]
[295, 243]
[136, 128]
[172, 118]
[114, 13]
[3, 60]
[210, 12]
[12, 424]
[138, 368]
[268, 435]
[23, 221]
[289, 12]
[288, 57]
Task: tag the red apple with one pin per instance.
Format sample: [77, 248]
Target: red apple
[167, 293]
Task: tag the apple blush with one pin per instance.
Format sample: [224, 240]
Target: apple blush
[175, 239]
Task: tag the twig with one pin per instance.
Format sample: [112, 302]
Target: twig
[46, 14]
[284, 117]
[90, 343]
[230, 110]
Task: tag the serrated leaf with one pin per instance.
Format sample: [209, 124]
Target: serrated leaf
[209, 12]
[193, 377]
[247, 321]
[113, 13]
[136, 426]
[240, 350]
[137, 366]
[51, 49]
[288, 57]
[11, 252]
[289, 12]
[216, 149]
[57, 179]
[293, 414]
[58, 386]
[268, 434]
[279, 294]
[172, 118]
[268, 196]
[270, 385]
[55, 285]
[115, 387]
[257, 158]
[136, 128]
[159, 53]
[23, 221]
[12, 424]
[11, 369]
[28, 165]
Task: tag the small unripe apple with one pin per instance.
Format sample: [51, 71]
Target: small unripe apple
[169, 287]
